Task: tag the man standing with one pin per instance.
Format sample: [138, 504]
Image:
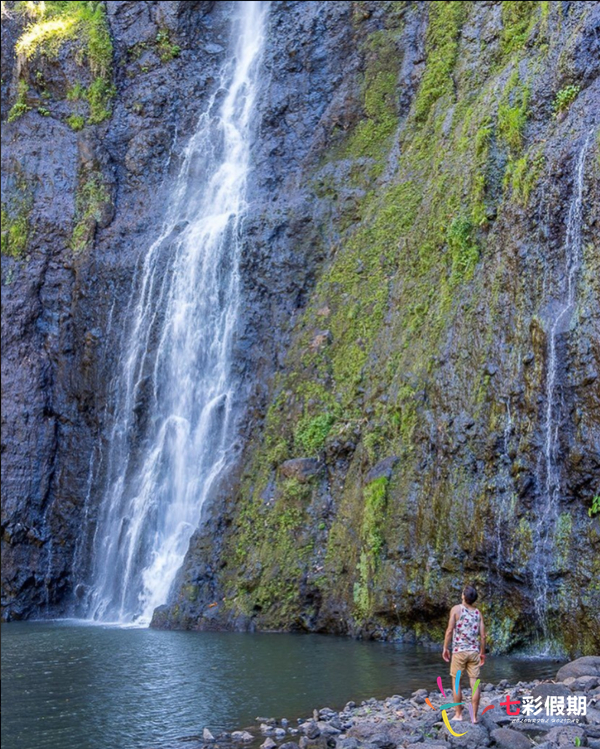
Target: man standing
[466, 629]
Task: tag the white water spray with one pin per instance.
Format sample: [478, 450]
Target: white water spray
[548, 517]
[175, 403]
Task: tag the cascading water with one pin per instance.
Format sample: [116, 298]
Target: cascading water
[175, 402]
[547, 519]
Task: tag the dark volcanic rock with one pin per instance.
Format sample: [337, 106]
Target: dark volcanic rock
[589, 665]
[506, 738]
[405, 258]
[301, 469]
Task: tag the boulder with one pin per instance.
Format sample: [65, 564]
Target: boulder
[546, 689]
[384, 469]
[327, 729]
[506, 738]
[348, 743]
[382, 741]
[207, 735]
[589, 665]
[301, 469]
[268, 744]
[593, 721]
[310, 729]
[320, 742]
[581, 683]
[243, 736]
[475, 735]
[495, 718]
[565, 735]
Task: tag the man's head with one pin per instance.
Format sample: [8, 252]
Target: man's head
[469, 594]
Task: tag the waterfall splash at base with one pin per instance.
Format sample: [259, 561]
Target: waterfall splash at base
[176, 397]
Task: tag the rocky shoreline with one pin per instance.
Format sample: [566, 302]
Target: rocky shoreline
[397, 722]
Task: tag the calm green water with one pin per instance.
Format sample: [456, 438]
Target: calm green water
[69, 685]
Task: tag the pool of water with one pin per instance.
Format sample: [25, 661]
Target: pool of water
[68, 685]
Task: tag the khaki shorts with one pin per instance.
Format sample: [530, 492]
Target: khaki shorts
[467, 661]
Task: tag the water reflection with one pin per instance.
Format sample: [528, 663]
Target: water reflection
[89, 687]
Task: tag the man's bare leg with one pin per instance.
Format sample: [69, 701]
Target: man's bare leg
[457, 695]
[475, 695]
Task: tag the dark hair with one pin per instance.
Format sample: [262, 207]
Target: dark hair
[470, 594]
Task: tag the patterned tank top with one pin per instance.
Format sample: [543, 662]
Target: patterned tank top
[466, 630]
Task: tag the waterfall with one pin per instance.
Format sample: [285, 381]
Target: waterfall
[175, 400]
[547, 519]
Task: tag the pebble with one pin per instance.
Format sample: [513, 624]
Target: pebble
[399, 723]
[244, 736]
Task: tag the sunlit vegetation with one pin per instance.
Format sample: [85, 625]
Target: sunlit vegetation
[50, 26]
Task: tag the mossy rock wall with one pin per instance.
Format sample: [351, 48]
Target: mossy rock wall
[416, 368]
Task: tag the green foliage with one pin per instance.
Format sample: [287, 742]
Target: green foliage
[77, 92]
[564, 98]
[15, 223]
[99, 95]
[312, 432]
[562, 539]
[292, 489]
[443, 32]
[513, 112]
[166, 49]
[517, 21]
[522, 175]
[84, 23]
[90, 202]
[375, 495]
[379, 91]
[371, 533]
[398, 293]
[20, 106]
[595, 508]
[463, 248]
[44, 111]
[76, 122]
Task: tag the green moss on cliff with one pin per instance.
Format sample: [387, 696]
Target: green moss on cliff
[91, 200]
[411, 365]
[443, 31]
[523, 174]
[84, 24]
[512, 113]
[518, 17]
[20, 106]
[16, 223]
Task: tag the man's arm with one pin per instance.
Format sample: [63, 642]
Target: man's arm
[481, 641]
[448, 636]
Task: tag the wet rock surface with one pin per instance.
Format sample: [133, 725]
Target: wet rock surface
[415, 382]
[433, 412]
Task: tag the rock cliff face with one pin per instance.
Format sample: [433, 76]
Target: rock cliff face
[414, 221]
